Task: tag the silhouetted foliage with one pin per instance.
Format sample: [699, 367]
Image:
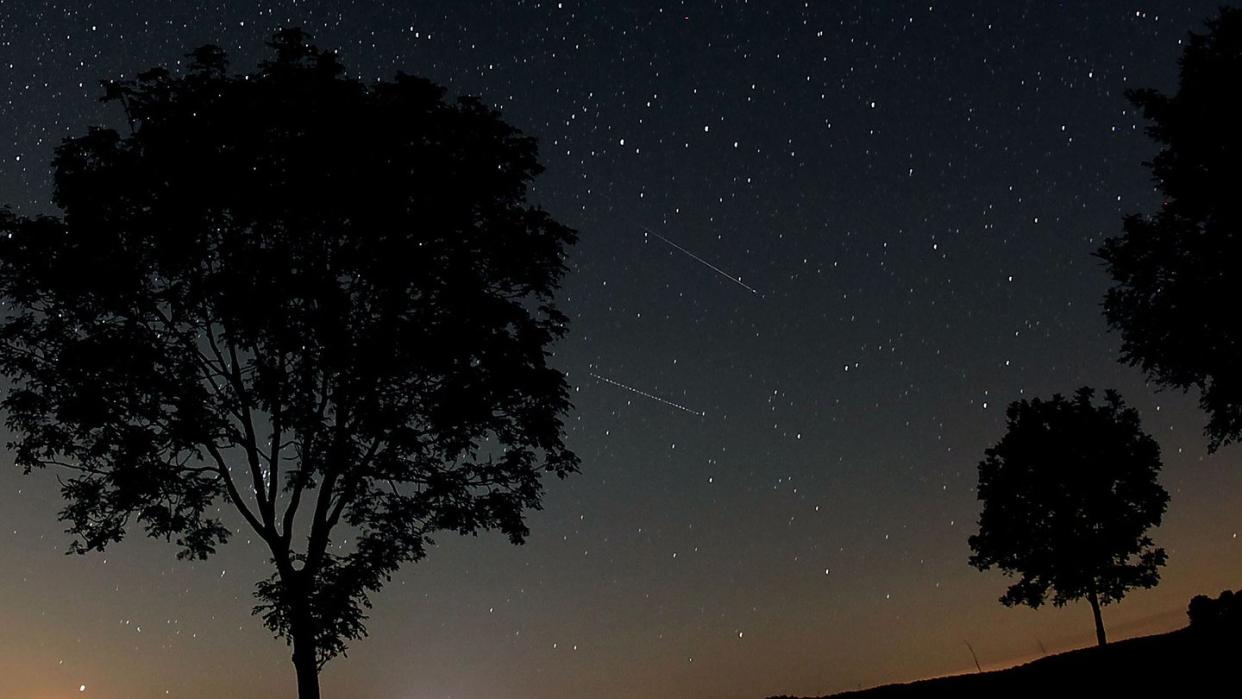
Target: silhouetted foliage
[1176, 271]
[1068, 495]
[1221, 614]
[324, 301]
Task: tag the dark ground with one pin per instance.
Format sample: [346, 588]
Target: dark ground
[1190, 662]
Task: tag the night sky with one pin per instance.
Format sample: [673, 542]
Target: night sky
[823, 245]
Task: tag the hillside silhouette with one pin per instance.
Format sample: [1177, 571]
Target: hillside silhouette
[1199, 660]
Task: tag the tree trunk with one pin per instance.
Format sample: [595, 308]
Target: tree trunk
[1099, 621]
[305, 661]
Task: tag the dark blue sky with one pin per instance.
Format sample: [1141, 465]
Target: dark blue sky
[776, 487]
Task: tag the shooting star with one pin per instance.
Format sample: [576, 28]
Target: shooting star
[714, 268]
[644, 394]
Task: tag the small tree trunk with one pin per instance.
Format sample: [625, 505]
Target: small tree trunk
[305, 662]
[1099, 621]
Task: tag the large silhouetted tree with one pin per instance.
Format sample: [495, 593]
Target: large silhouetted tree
[1068, 496]
[322, 301]
[1178, 287]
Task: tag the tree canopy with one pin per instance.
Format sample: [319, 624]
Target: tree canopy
[1068, 495]
[1177, 288]
[323, 301]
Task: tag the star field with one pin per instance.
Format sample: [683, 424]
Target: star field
[823, 245]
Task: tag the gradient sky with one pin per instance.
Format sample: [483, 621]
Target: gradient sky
[781, 504]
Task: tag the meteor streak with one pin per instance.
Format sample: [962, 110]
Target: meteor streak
[644, 394]
[714, 268]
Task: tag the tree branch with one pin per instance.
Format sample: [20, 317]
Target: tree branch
[347, 492]
[273, 458]
[302, 476]
[235, 496]
[320, 527]
[250, 444]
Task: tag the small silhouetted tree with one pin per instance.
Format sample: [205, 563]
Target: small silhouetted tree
[1178, 288]
[1068, 495]
[1223, 614]
[322, 301]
